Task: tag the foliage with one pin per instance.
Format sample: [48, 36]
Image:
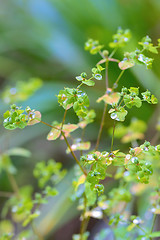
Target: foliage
[132, 168]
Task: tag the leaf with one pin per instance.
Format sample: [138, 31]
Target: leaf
[110, 98]
[125, 64]
[154, 100]
[36, 118]
[18, 152]
[81, 180]
[131, 136]
[79, 146]
[118, 114]
[151, 235]
[67, 128]
[89, 82]
[90, 194]
[53, 134]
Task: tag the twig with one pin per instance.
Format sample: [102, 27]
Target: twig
[101, 127]
[114, 124]
[74, 156]
[14, 184]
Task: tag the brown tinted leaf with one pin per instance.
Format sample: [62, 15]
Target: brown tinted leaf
[36, 118]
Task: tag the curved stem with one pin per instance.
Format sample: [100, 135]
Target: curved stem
[49, 125]
[153, 222]
[64, 117]
[14, 184]
[6, 194]
[116, 82]
[74, 156]
[114, 125]
[101, 127]
[104, 111]
[84, 220]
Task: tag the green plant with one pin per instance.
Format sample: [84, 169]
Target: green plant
[131, 169]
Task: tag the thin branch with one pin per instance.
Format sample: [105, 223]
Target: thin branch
[64, 117]
[74, 156]
[50, 125]
[116, 82]
[114, 125]
[6, 194]
[101, 127]
[84, 222]
[14, 184]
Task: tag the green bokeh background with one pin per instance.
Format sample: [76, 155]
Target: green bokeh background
[45, 38]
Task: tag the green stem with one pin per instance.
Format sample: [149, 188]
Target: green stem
[107, 84]
[6, 194]
[153, 222]
[50, 125]
[114, 125]
[116, 82]
[104, 111]
[14, 184]
[64, 117]
[84, 222]
[101, 127]
[112, 53]
[74, 156]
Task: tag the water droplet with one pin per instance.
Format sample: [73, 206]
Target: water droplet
[114, 115]
[90, 157]
[128, 156]
[13, 91]
[126, 173]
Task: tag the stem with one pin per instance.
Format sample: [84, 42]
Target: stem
[116, 82]
[74, 156]
[84, 220]
[6, 194]
[14, 184]
[141, 229]
[101, 127]
[64, 117]
[114, 124]
[82, 136]
[107, 75]
[153, 222]
[49, 125]
[104, 111]
[112, 53]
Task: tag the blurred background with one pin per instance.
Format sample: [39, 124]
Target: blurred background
[45, 39]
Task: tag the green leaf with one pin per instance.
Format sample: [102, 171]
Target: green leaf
[132, 101]
[120, 38]
[90, 194]
[154, 100]
[89, 82]
[119, 114]
[145, 60]
[126, 63]
[18, 152]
